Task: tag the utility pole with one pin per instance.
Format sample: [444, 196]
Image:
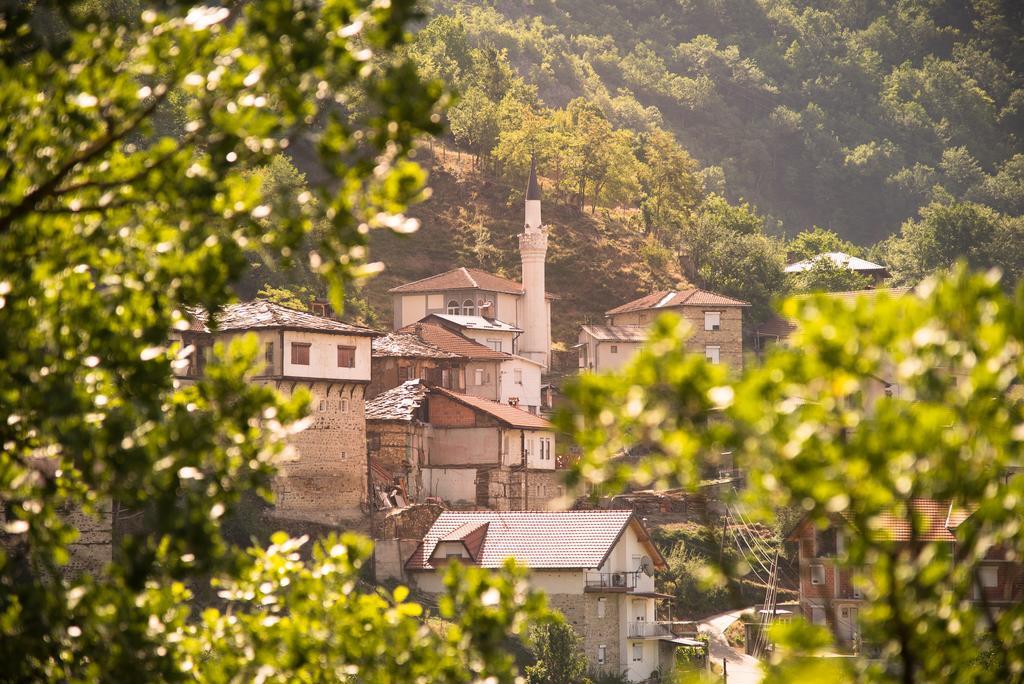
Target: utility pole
[725, 670]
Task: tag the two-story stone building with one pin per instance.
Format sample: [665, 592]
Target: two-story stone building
[716, 323]
[326, 479]
[597, 567]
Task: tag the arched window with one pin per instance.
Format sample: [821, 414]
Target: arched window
[468, 308]
[453, 308]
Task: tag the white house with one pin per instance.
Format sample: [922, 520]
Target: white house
[326, 480]
[470, 292]
[597, 567]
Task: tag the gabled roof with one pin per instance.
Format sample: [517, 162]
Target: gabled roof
[476, 322]
[617, 333]
[537, 539]
[841, 259]
[261, 314]
[665, 299]
[511, 416]
[462, 279]
[452, 341]
[408, 345]
[398, 403]
[937, 520]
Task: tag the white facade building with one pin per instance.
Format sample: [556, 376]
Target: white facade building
[596, 567]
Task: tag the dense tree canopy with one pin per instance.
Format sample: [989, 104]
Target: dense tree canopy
[132, 185]
[809, 432]
[848, 115]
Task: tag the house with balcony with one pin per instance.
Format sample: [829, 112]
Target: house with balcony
[829, 593]
[597, 567]
[716, 323]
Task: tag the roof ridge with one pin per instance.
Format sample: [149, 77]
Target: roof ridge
[468, 275]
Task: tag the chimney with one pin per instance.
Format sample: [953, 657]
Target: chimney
[487, 309]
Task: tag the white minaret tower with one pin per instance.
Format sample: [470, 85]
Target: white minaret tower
[535, 343]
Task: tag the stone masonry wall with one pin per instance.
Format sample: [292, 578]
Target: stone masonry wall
[580, 611]
[326, 482]
[399, 447]
[729, 337]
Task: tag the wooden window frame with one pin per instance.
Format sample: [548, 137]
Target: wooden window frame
[304, 347]
[351, 351]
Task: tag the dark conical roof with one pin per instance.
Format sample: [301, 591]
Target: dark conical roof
[533, 187]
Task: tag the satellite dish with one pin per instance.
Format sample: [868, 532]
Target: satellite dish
[646, 566]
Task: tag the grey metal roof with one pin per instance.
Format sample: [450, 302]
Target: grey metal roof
[840, 259]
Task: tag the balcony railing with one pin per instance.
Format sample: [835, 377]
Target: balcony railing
[611, 581]
[648, 630]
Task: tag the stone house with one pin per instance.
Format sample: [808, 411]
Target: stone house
[830, 597]
[596, 567]
[402, 356]
[716, 322]
[325, 481]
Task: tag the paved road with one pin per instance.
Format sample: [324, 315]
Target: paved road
[743, 669]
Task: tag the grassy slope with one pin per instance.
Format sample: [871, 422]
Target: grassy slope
[594, 262]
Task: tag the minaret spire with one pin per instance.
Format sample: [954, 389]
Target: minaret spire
[533, 245]
[533, 221]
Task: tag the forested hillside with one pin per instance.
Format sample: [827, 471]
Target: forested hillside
[847, 114]
[711, 142]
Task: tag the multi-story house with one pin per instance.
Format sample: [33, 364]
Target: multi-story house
[716, 322]
[326, 479]
[463, 449]
[596, 567]
[485, 372]
[830, 597]
[525, 306]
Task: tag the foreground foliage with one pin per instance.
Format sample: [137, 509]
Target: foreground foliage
[813, 428]
[127, 192]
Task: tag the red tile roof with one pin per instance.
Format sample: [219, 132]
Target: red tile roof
[510, 415]
[931, 517]
[670, 298]
[937, 519]
[536, 539]
[462, 279]
[452, 342]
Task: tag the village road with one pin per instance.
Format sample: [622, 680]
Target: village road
[743, 669]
